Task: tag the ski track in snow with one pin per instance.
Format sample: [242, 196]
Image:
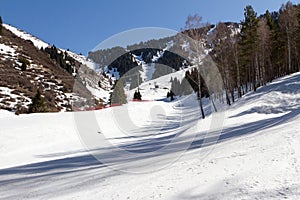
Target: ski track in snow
[257, 156]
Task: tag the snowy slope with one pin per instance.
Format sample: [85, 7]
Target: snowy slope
[149, 68]
[92, 85]
[7, 50]
[257, 156]
[41, 44]
[83, 60]
[26, 36]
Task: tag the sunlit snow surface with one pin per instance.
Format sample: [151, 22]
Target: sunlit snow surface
[257, 156]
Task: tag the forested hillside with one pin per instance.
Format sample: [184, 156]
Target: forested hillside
[248, 54]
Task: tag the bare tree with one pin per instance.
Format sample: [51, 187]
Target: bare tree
[195, 28]
[264, 35]
[288, 23]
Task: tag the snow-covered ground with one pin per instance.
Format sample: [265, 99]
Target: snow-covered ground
[4, 49]
[41, 44]
[9, 52]
[26, 36]
[256, 157]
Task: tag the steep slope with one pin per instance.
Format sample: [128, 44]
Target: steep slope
[156, 50]
[28, 64]
[41, 72]
[256, 157]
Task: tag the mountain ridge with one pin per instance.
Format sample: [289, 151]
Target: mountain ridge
[28, 64]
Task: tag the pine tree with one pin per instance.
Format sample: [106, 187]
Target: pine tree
[0, 25]
[185, 87]
[23, 67]
[249, 45]
[118, 95]
[24, 63]
[38, 103]
[175, 87]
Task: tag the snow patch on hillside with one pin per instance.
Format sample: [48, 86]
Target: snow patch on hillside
[83, 60]
[10, 99]
[149, 68]
[26, 36]
[4, 49]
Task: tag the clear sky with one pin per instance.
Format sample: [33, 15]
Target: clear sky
[82, 25]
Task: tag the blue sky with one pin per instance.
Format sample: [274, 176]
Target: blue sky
[82, 25]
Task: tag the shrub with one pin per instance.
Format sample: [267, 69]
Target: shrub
[38, 104]
[24, 63]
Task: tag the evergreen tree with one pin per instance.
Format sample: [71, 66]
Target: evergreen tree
[137, 95]
[185, 87]
[24, 63]
[249, 45]
[170, 95]
[276, 46]
[135, 81]
[23, 67]
[175, 87]
[118, 95]
[38, 103]
[0, 25]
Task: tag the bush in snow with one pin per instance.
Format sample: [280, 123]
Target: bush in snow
[38, 104]
[24, 62]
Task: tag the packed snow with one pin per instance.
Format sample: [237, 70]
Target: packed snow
[256, 156]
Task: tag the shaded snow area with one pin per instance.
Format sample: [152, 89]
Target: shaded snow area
[257, 155]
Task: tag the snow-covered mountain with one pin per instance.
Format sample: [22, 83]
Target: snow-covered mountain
[256, 156]
[43, 70]
[169, 51]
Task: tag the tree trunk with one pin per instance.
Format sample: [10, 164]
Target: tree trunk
[289, 51]
[232, 95]
[213, 103]
[201, 106]
[200, 96]
[238, 72]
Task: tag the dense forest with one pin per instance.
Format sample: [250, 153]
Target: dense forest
[264, 48]
[250, 54]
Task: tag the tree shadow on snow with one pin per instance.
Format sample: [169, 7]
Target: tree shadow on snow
[84, 171]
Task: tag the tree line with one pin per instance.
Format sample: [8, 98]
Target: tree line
[263, 48]
[252, 53]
